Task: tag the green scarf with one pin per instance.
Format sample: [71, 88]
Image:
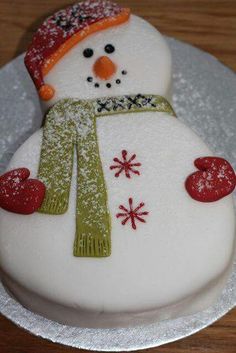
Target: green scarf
[73, 123]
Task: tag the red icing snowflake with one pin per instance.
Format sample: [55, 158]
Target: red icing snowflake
[132, 214]
[126, 165]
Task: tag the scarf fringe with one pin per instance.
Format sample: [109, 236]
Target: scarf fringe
[92, 246]
[54, 204]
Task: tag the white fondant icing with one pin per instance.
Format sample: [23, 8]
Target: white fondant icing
[139, 49]
[173, 265]
[176, 263]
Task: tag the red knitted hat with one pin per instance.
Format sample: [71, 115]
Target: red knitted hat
[61, 31]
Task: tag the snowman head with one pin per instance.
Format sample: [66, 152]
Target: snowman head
[95, 49]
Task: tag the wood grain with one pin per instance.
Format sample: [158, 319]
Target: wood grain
[207, 24]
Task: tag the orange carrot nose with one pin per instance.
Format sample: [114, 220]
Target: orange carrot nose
[104, 68]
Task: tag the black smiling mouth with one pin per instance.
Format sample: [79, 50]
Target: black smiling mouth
[118, 81]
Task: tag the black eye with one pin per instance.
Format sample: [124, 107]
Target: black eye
[109, 48]
[88, 52]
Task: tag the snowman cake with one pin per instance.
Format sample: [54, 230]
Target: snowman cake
[115, 213]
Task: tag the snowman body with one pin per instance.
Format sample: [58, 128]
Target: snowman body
[171, 260]
[174, 264]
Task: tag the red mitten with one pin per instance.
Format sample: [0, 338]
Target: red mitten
[214, 180]
[19, 194]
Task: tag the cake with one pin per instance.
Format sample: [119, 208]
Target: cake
[115, 213]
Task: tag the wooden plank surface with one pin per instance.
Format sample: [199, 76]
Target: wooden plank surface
[207, 24]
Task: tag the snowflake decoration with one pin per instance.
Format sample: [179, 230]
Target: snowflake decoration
[132, 214]
[126, 165]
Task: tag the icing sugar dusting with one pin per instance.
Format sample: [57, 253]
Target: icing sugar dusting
[214, 180]
[203, 98]
[213, 120]
[60, 27]
[18, 193]
[69, 123]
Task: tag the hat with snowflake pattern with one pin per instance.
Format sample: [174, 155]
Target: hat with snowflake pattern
[61, 31]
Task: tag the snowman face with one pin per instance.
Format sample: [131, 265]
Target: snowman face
[130, 58]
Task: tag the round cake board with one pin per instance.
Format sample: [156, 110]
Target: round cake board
[204, 98]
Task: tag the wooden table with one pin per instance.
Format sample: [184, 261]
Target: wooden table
[208, 24]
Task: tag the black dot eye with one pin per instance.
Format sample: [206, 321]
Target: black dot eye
[109, 48]
[88, 52]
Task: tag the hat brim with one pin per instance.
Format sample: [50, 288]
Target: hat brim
[105, 23]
